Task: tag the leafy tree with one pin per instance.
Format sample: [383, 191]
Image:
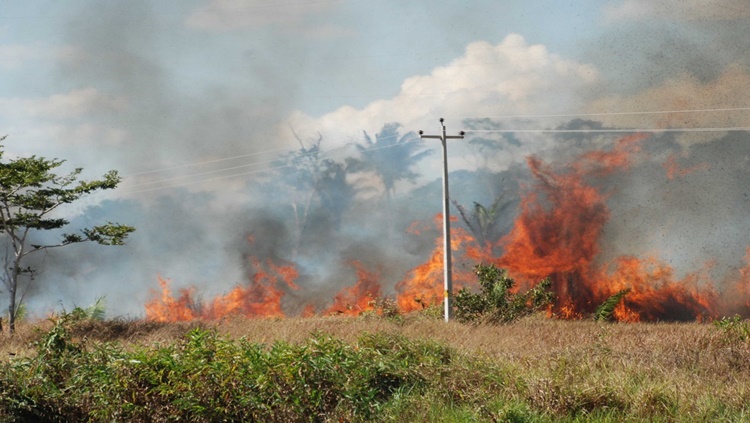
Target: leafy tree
[29, 194]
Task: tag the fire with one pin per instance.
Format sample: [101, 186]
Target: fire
[557, 233]
[163, 307]
[359, 298]
[657, 294]
[261, 298]
[424, 285]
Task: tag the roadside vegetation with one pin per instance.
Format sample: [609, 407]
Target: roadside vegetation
[76, 367]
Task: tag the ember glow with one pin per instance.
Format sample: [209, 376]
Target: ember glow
[557, 233]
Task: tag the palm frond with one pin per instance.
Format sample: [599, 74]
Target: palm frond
[605, 311]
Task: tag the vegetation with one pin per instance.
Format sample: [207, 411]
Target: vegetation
[392, 156]
[606, 310]
[29, 194]
[74, 368]
[483, 222]
[496, 303]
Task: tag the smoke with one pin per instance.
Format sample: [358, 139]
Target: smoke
[128, 107]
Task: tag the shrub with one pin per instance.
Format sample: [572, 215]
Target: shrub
[734, 329]
[496, 302]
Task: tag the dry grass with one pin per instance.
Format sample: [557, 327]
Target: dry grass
[657, 371]
[677, 369]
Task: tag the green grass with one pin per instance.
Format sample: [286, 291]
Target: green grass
[338, 370]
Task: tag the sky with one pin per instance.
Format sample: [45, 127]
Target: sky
[192, 100]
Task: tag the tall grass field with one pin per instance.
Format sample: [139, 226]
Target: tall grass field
[410, 368]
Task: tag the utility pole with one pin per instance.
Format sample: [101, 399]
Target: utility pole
[447, 273]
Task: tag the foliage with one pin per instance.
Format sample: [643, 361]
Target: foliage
[535, 370]
[392, 156]
[208, 378]
[483, 222]
[605, 311]
[497, 303]
[30, 192]
[734, 329]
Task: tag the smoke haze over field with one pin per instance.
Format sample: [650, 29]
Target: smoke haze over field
[241, 130]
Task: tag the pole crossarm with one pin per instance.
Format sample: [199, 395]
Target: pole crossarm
[447, 268]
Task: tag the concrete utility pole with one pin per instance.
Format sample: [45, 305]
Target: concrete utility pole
[447, 273]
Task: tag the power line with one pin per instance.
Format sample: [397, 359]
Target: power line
[619, 131]
[582, 131]
[645, 112]
[334, 152]
[205, 162]
[329, 154]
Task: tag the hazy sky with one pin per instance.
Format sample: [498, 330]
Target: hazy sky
[144, 86]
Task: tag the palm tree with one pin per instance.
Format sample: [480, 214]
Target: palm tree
[392, 157]
[484, 222]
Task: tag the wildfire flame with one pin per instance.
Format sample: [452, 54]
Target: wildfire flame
[557, 234]
[424, 286]
[360, 297]
[261, 298]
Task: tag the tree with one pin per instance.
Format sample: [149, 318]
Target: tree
[308, 175]
[392, 157]
[29, 194]
[483, 222]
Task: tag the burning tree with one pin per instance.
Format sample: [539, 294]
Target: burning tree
[485, 222]
[29, 194]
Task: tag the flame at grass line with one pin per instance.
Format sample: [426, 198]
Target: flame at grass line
[261, 298]
[424, 285]
[557, 233]
[359, 298]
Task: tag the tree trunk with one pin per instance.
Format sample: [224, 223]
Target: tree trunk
[12, 309]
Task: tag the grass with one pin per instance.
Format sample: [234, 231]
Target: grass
[376, 369]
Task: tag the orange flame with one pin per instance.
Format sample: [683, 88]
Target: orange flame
[261, 298]
[424, 285]
[163, 307]
[359, 298]
[557, 235]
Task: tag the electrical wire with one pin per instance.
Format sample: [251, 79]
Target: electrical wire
[648, 112]
[645, 112]
[338, 150]
[329, 154]
[223, 159]
[618, 131]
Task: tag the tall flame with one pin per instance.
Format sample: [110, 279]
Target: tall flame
[424, 285]
[557, 233]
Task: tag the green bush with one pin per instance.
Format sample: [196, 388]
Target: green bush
[496, 302]
[734, 329]
[204, 377]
